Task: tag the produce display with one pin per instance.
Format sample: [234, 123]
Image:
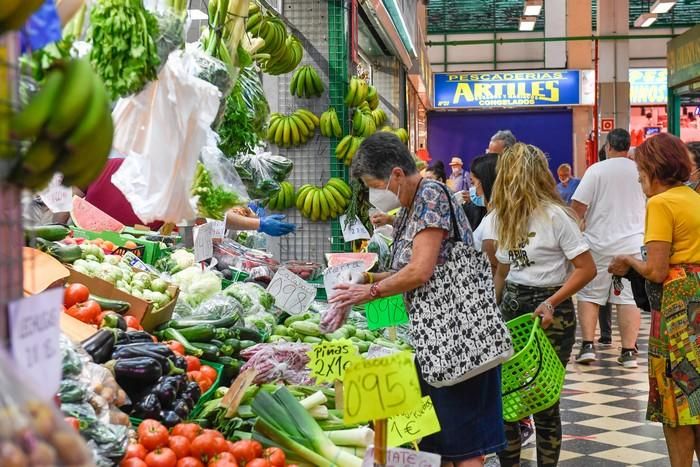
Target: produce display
[292, 130]
[330, 125]
[281, 52]
[262, 173]
[306, 82]
[283, 199]
[363, 121]
[323, 203]
[347, 147]
[358, 90]
[400, 132]
[69, 125]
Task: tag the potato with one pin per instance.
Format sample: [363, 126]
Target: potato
[43, 422]
[70, 448]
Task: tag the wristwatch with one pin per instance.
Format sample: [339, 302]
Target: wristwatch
[374, 290]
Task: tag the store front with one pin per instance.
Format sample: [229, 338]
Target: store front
[535, 105]
[684, 85]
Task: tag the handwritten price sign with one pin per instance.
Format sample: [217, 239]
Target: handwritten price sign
[341, 274]
[414, 424]
[329, 360]
[386, 312]
[35, 335]
[203, 246]
[400, 457]
[292, 293]
[354, 230]
[218, 228]
[380, 388]
[56, 197]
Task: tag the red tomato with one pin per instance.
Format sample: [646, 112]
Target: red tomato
[133, 462]
[258, 463]
[257, 448]
[176, 347]
[216, 433]
[193, 363]
[220, 445]
[275, 456]
[204, 447]
[204, 384]
[135, 450]
[152, 434]
[209, 372]
[194, 375]
[225, 459]
[74, 422]
[243, 450]
[161, 457]
[189, 461]
[180, 446]
[86, 312]
[229, 446]
[188, 430]
[133, 323]
[75, 293]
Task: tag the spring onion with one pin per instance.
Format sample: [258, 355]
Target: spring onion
[320, 412]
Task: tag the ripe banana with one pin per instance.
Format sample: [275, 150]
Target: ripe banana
[347, 148]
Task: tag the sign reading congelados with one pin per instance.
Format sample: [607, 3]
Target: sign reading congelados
[506, 89]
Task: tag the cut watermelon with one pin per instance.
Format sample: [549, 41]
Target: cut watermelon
[86, 216]
[335, 259]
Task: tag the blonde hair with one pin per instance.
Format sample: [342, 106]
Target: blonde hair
[523, 185]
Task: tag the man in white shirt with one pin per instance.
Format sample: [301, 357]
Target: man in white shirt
[610, 201]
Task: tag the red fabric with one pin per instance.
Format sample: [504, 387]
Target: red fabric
[109, 199]
[423, 154]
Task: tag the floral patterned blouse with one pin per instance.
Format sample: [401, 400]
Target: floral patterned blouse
[431, 209]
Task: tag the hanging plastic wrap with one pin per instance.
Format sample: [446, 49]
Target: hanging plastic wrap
[162, 130]
[283, 362]
[262, 173]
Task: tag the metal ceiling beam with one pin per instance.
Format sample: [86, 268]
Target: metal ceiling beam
[549, 39]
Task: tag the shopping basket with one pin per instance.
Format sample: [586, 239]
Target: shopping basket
[533, 377]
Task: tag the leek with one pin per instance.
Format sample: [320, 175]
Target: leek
[320, 412]
[283, 419]
[360, 437]
[314, 400]
[355, 451]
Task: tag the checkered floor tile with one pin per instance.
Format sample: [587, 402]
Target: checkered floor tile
[604, 414]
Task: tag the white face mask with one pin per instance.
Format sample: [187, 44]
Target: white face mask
[385, 200]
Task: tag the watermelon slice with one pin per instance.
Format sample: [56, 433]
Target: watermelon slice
[335, 259]
[86, 216]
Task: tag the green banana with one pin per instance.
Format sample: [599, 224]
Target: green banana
[74, 98]
[99, 106]
[40, 156]
[29, 122]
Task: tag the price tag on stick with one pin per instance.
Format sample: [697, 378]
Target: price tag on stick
[380, 388]
[386, 312]
[328, 360]
[414, 424]
[400, 457]
[203, 246]
[56, 197]
[292, 293]
[353, 231]
[35, 339]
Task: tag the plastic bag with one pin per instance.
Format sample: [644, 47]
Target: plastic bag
[250, 294]
[172, 30]
[333, 318]
[380, 245]
[281, 362]
[262, 173]
[163, 129]
[234, 258]
[213, 71]
[196, 286]
[33, 431]
[221, 306]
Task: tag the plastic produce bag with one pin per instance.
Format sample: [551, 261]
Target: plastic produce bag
[33, 431]
[281, 362]
[220, 305]
[250, 294]
[196, 286]
[262, 173]
[380, 245]
[212, 70]
[163, 129]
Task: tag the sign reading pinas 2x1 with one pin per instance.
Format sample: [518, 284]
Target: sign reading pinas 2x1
[506, 89]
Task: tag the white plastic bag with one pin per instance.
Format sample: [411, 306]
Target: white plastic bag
[163, 129]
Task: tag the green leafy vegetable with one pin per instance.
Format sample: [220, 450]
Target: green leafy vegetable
[214, 200]
[124, 52]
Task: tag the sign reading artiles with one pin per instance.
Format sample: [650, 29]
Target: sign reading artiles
[506, 89]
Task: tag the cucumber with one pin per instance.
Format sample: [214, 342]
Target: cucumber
[246, 344]
[63, 253]
[243, 333]
[198, 333]
[234, 343]
[306, 328]
[204, 319]
[118, 306]
[175, 335]
[295, 318]
[210, 351]
[312, 340]
[52, 233]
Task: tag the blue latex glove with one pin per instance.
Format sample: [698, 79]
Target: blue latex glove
[273, 225]
[257, 209]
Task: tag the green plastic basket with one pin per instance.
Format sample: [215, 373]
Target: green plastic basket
[533, 377]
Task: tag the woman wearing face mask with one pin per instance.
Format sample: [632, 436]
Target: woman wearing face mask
[469, 412]
[483, 175]
[672, 271]
[537, 240]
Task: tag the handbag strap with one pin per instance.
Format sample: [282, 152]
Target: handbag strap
[453, 217]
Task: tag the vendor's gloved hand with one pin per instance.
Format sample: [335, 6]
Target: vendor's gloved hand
[273, 225]
[258, 209]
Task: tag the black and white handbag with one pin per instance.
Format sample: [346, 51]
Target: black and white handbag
[456, 327]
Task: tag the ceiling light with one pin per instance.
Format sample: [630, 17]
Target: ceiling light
[532, 8]
[662, 6]
[197, 15]
[645, 20]
[527, 23]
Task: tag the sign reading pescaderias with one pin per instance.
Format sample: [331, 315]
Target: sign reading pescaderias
[506, 89]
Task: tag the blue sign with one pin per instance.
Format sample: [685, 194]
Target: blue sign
[506, 89]
[648, 86]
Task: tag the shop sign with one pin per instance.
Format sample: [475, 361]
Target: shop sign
[506, 89]
[683, 57]
[648, 86]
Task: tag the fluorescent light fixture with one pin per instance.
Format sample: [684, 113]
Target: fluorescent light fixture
[662, 6]
[645, 20]
[197, 15]
[532, 8]
[527, 23]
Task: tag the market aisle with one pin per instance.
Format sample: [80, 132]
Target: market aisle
[604, 411]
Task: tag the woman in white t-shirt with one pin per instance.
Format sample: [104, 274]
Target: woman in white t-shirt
[482, 173]
[538, 242]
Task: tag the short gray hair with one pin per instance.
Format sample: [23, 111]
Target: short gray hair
[379, 154]
[506, 136]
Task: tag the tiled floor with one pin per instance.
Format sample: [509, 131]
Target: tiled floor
[604, 414]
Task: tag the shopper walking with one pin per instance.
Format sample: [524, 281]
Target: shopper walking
[672, 264]
[610, 201]
[483, 176]
[567, 184]
[500, 141]
[470, 412]
[538, 238]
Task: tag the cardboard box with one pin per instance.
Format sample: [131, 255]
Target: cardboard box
[141, 309]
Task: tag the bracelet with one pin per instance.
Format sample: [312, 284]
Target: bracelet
[549, 306]
[374, 291]
[369, 278]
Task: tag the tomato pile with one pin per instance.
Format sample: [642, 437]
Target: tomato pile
[77, 303]
[107, 246]
[188, 445]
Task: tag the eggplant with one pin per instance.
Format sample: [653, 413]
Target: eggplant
[167, 393]
[143, 370]
[160, 349]
[100, 345]
[169, 418]
[180, 362]
[179, 381]
[192, 390]
[133, 337]
[148, 407]
[182, 408]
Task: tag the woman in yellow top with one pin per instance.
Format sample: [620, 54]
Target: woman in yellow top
[672, 270]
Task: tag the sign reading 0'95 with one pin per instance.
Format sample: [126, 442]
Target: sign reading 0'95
[506, 89]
